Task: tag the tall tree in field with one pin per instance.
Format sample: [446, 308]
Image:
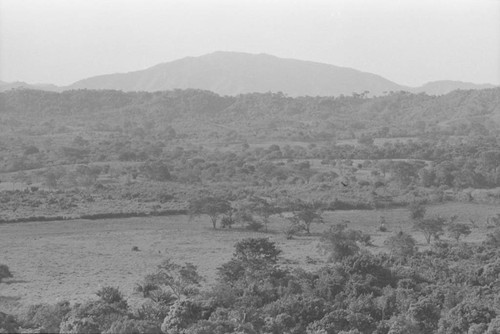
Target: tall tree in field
[209, 205]
[430, 227]
[306, 213]
[262, 208]
[457, 230]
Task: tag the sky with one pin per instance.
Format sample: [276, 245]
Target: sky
[407, 41]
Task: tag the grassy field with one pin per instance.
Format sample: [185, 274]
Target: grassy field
[71, 260]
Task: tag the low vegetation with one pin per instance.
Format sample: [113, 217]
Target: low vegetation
[336, 207]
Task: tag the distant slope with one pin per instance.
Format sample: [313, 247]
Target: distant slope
[445, 86]
[198, 112]
[4, 86]
[231, 73]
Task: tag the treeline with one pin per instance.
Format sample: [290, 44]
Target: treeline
[462, 111]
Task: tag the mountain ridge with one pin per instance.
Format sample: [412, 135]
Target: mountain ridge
[234, 73]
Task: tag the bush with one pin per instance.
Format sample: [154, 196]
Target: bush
[339, 242]
[152, 311]
[401, 244]
[252, 249]
[46, 317]
[92, 317]
[417, 210]
[4, 272]
[181, 280]
[111, 295]
[254, 226]
[162, 297]
[181, 315]
[146, 288]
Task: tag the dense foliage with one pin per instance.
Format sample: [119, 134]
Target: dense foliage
[450, 288]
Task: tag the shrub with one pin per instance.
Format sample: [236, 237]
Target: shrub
[181, 315]
[46, 317]
[92, 317]
[182, 280]
[339, 242]
[152, 311]
[4, 272]
[401, 244]
[254, 226]
[417, 210]
[111, 295]
[146, 288]
[135, 249]
[162, 297]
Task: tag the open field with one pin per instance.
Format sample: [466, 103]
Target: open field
[71, 260]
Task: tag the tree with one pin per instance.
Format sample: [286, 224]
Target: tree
[211, 206]
[456, 230]
[305, 214]
[430, 227]
[262, 208]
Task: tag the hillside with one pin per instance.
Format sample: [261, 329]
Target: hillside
[4, 86]
[199, 113]
[445, 86]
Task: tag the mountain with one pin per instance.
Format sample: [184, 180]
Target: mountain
[4, 86]
[234, 73]
[231, 73]
[445, 86]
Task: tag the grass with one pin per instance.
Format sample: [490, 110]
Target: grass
[71, 260]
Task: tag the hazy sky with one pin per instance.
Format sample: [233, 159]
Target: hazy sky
[407, 41]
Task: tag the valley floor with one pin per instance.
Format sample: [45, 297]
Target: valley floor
[71, 260]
